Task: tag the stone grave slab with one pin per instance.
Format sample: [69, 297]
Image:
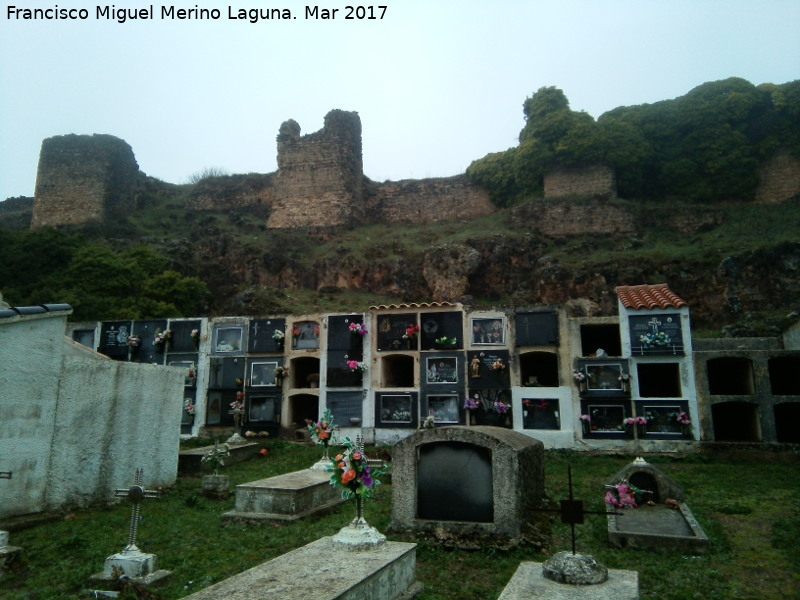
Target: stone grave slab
[667, 523]
[313, 572]
[189, 461]
[528, 582]
[285, 497]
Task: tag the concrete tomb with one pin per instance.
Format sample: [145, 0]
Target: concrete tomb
[661, 520]
[469, 482]
[313, 572]
[285, 497]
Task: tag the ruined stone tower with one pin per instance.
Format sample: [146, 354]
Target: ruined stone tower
[320, 175]
[84, 179]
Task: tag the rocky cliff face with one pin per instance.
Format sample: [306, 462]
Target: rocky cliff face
[519, 270]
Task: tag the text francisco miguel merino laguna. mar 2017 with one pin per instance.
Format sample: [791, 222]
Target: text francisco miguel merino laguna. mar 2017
[253, 15]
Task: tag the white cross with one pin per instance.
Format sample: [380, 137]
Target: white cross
[654, 323]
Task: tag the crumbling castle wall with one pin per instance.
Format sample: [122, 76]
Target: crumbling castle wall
[780, 178]
[84, 179]
[596, 181]
[319, 178]
[428, 200]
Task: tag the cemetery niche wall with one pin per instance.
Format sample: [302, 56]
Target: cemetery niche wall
[470, 484]
[73, 423]
[392, 369]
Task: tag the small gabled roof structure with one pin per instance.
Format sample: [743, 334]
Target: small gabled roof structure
[649, 297]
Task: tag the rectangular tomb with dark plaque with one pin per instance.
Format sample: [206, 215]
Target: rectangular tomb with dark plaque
[468, 481]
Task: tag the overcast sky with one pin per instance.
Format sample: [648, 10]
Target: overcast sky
[437, 83]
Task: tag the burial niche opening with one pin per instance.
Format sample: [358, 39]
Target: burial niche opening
[596, 337]
[736, 422]
[783, 375]
[730, 377]
[659, 380]
[539, 369]
[787, 415]
[302, 407]
[397, 371]
[305, 372]
[454, 483]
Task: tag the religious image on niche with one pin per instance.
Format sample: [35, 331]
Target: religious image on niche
[228, 339]
[488, 331]
[442, 370]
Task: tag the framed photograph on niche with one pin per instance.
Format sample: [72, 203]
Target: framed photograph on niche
[262, 374]
[489, 331]
[228, 338]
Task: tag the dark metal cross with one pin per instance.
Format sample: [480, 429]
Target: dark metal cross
[136, 493]
[572, 510]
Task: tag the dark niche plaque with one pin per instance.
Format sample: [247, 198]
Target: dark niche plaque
[454, 483]
[656, 334]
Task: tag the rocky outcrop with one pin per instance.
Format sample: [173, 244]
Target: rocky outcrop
[447, 269]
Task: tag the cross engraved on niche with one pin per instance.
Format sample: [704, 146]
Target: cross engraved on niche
[136, 493]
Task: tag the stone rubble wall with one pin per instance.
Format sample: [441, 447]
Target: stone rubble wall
[566, 218]
[780, 178]
[84, 179]
[319, 178]
[593, 180]
[429, 200]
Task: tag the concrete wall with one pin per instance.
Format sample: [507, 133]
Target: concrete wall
[74, 425]
[30, 355]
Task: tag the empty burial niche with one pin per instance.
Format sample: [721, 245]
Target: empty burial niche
[730, 376]
[454, 483]
[539, 369]
[305, 372]
[605, 337]
[787, 415]
[397, 371]
[302, 407]
[659, 380]
[736, 422]
[784, 375]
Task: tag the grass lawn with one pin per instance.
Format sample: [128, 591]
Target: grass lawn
[745, 501]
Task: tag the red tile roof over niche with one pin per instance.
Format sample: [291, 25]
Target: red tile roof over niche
[639, 297]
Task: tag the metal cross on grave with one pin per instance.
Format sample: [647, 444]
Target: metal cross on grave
[136, 493]
[572, 510]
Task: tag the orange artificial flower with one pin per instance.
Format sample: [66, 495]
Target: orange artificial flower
[348, 476]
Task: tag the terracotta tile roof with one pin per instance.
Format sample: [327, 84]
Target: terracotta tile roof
[639, 297]
[414, 305]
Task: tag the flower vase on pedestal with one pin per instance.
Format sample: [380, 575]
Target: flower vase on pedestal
[323, 463]
[358, 535]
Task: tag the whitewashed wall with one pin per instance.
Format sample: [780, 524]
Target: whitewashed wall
[30, 367]
[74, 425]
